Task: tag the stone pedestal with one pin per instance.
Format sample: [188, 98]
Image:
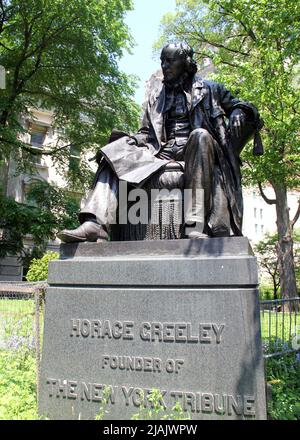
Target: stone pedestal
[181, 316]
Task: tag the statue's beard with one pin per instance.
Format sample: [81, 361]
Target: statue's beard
[177, 81]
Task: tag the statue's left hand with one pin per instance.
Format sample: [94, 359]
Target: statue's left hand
[236, 122]
[132, 142]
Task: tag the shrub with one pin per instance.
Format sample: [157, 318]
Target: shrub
[283, 373]
[266, 292]
[38, 269]
[18, 385]
[157, 411]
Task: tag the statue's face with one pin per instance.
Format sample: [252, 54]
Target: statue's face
[172, 64]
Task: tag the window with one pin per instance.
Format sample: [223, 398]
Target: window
[28, 201]
[37, 135]
[256, 229]
[74, 151]
[262, 229]
[255, 212]
[74, 157]
[261, 213]
[37, 138]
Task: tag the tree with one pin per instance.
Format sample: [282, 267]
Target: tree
[268, 259]
[62, 55]
[266, 251]
[49, 210]
[255, 49]
[296, 238]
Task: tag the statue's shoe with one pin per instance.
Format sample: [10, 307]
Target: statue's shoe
[196, 234]
[220, 231]
[195, 230]
[88, 231]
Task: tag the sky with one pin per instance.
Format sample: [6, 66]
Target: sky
[144, 23]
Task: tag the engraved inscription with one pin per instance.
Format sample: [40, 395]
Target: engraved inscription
[190, 401]
[181, 332]
[132, 363]
[215, 403]
[140, 396]
[170, 332]
[141, 363]
[94, 328]
[71, 389]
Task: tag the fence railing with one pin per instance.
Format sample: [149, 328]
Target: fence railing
[280, 326]
[22, 318]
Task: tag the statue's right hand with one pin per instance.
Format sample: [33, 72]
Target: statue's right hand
[236, 122]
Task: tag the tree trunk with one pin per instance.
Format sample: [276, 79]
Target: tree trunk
[275, 288]
[288, 285]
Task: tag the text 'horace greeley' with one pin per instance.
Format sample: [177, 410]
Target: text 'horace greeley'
[148, 331]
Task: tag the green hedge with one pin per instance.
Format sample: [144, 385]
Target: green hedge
[38, 269]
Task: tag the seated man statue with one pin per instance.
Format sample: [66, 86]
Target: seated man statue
[187, 120]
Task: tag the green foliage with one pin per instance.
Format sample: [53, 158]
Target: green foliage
[266, 291]
[38, 269]
[17, 385]
[296, 238]
[58, 206]
[17, 324]
[268, 259]
[275, 325]
[104, 402]
[15, 220]
[18, 369]
[266, 251]
[283, 373]
[17, 361]
[255, 49]
[157, 410]
[50, 210]
[62, 56]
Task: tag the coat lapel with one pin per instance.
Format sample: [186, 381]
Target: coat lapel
[198, 91]
[158, 102]
[156, 114]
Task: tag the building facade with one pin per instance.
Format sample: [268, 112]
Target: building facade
[41, 136]
[259, 217]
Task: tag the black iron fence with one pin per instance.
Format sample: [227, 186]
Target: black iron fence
[280, 326]
[22, 318]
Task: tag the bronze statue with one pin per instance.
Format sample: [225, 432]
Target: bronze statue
[188, 120]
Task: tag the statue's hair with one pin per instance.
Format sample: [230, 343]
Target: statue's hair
[185, 51]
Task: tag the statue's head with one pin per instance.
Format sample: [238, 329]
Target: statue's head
[176, 61]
